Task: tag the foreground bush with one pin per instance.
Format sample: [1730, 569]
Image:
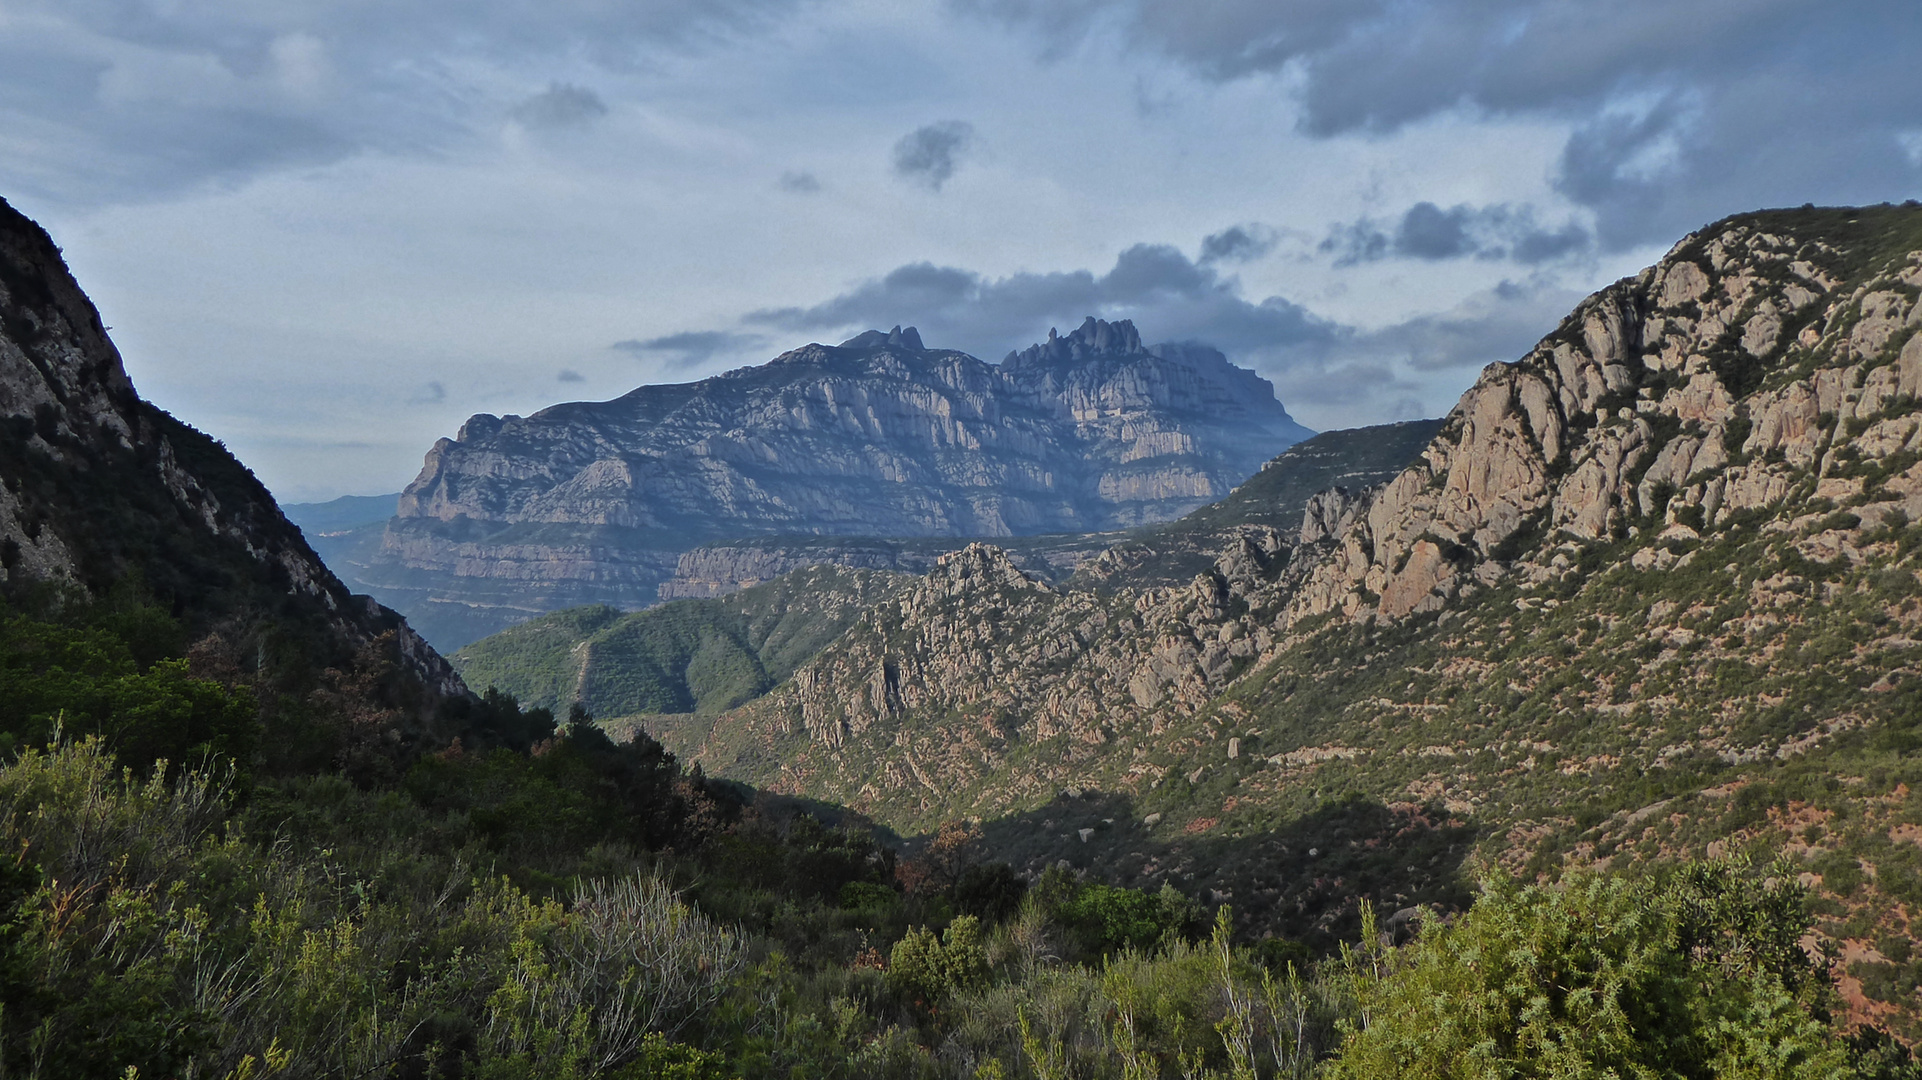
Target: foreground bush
[1600, 977]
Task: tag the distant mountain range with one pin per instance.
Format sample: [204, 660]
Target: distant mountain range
[876, 437]
[703, 655]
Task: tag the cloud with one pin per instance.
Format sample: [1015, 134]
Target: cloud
[561, 105]
[691, 348]
[570, 375]
[122, 101]
[1498, 324]
[800, 183]
[1426, 231]
[1169, 296]
[928, 156]
[1341, 374]
[1239, 243]
[433, 393]
[1677, 111]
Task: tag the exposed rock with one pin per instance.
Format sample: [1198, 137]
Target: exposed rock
[875, 437]
[100, 483]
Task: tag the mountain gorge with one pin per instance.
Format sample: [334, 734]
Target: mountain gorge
[875, 437]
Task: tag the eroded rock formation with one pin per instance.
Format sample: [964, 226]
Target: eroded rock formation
[875, 437]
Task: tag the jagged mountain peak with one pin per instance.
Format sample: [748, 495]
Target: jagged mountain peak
[879, 436]
[1094, 337]
[899, 337]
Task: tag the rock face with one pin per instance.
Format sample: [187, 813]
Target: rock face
[877, 436]
[1759, 380]
[1732, 376]
[100, 484]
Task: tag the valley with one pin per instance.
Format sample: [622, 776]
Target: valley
[1649, 592]
[1602, 688]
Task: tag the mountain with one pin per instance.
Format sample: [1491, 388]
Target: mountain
[708, 652]
[878, 436]
[1650, 590]
[341, 515]
[103, 491]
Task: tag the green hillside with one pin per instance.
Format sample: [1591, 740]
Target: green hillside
[1352, 458]
[690, 656]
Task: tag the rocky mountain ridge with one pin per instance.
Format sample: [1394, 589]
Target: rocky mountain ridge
[878, 436]
[100, 485]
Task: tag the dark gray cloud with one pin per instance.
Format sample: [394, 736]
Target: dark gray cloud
[570, 375]
[690, 348]
[1683, 110]
[433, 393]
[1427, 231]
[1345, 374]
[1239, 243]
[561, 105]
[1169, 296]
[800, 183]
[1500, 324]
[928, 155]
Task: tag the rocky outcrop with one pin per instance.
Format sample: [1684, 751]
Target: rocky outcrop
[99, 484]
[875, 437]
[720, 569]
[1730, 377]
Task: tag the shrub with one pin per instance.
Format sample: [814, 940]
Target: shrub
[929, 968]
[1597, 977]
[588, 985]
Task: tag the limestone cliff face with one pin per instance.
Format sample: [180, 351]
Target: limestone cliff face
[875, 437]
[100, 483]
[1763, 377]
[1732, 378]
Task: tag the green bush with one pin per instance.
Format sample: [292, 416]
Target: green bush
[1597, 977]
[928, 969]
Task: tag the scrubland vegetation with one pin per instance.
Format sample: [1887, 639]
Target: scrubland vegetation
[181, 898]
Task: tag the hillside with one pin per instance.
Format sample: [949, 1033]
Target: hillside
[1651, 590]
[696, 658]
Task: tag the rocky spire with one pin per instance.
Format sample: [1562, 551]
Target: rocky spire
[1092, 338]
[900, 337]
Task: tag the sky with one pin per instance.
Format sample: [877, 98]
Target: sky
[327, 231]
